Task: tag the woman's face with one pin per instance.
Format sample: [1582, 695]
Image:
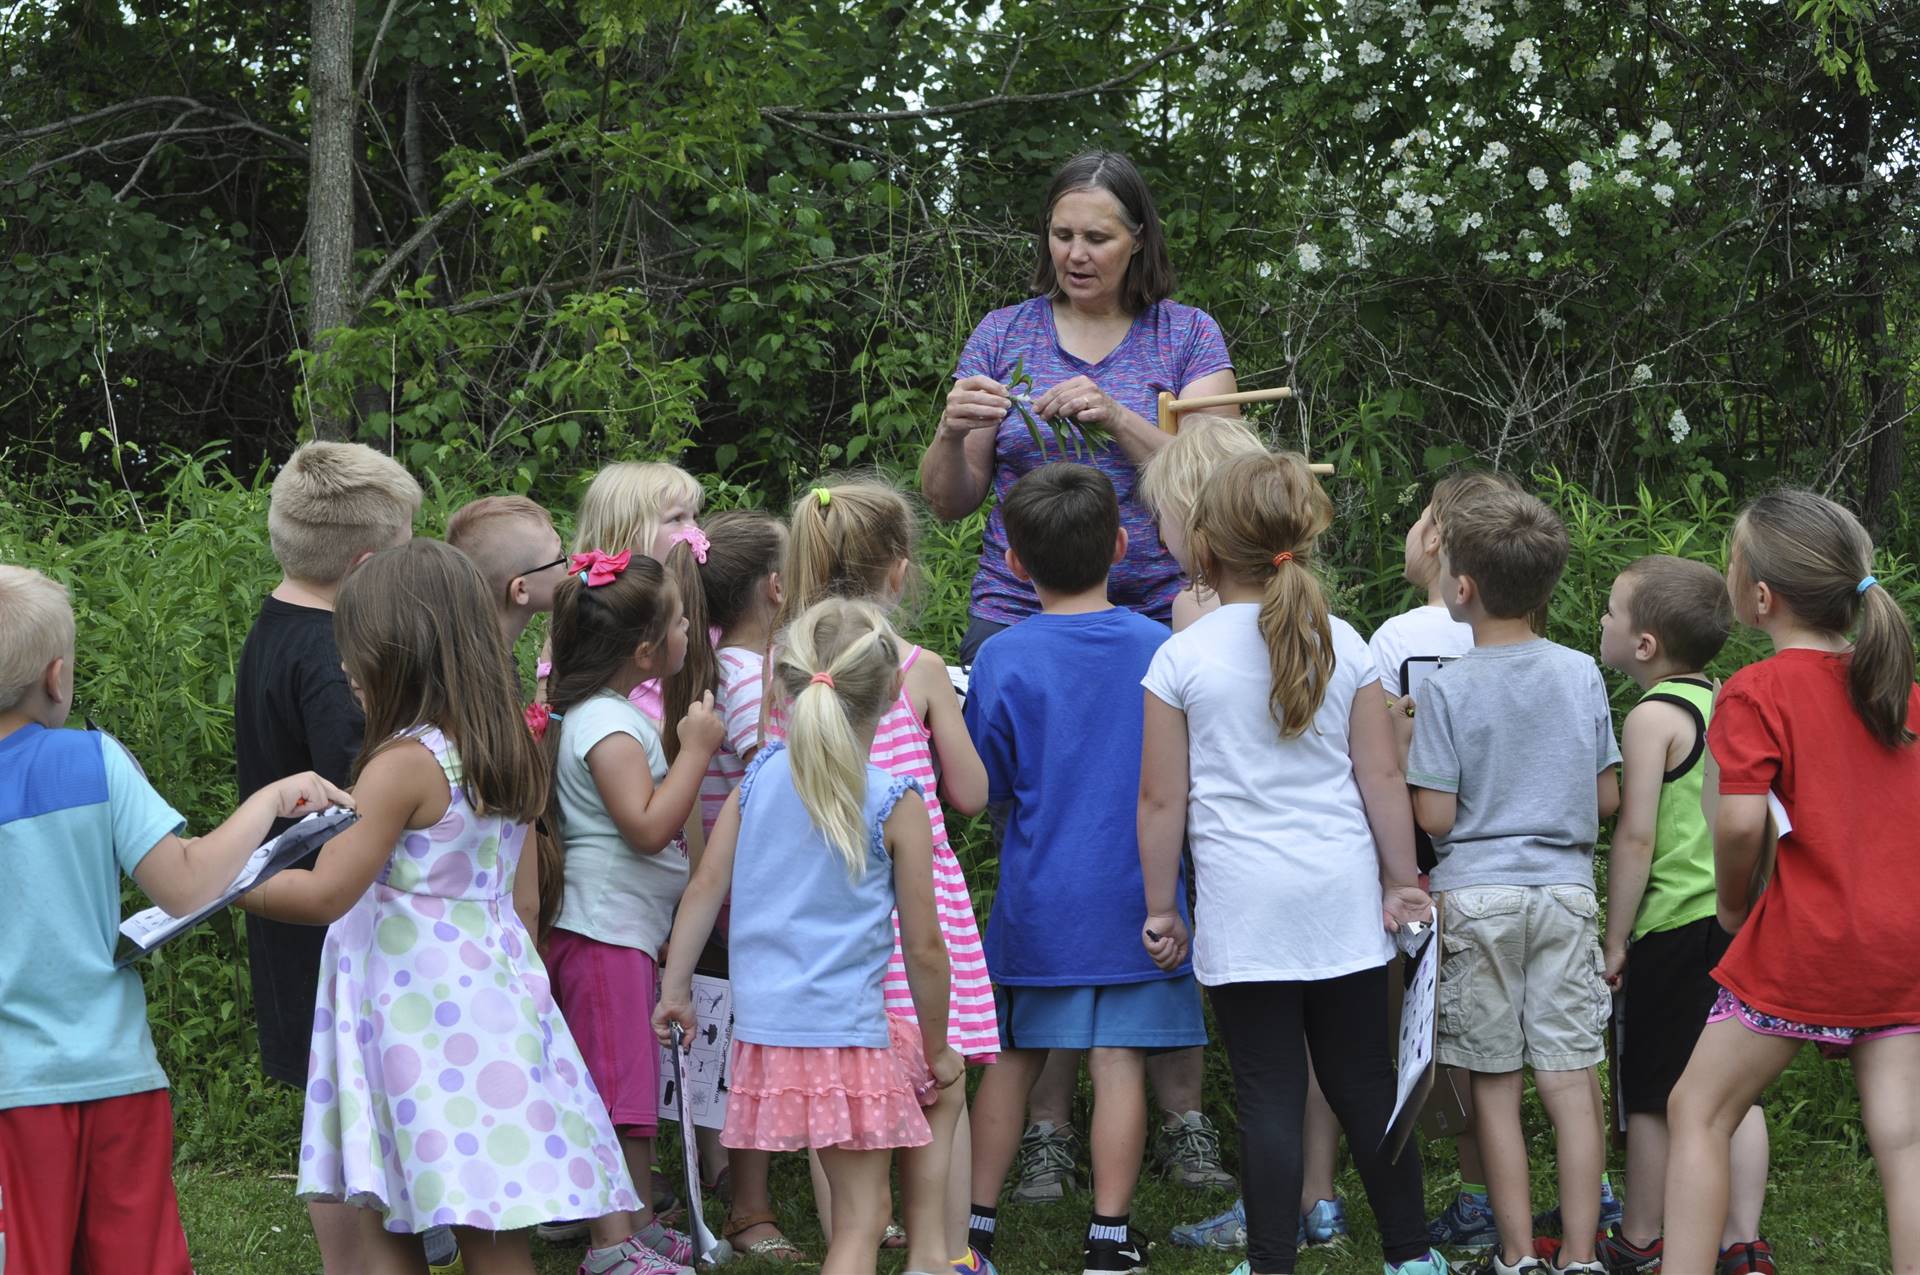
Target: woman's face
[1091, 246]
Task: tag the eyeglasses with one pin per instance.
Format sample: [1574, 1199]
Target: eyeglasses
[560, 561]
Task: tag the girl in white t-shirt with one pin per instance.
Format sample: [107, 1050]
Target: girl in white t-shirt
[1268, 744]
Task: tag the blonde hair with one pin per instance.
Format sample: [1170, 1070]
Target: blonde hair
[623, 504]
[493, 531]
[334, 503]
[36, 628]
[1815, 555]
[842, 541]
[1171, 480]
[837, 669]
[1249, 515]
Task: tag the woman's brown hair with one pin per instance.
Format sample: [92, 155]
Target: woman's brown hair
[1150, 272]
[1257, 521]
[1815, 556]
[418, 633]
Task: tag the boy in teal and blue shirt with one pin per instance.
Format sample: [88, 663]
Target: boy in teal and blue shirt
[1058, 724]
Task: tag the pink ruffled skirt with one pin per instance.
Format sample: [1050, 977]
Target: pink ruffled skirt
[787, 1098]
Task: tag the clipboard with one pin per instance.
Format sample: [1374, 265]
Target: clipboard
[1416, 669]
[1419, 1021]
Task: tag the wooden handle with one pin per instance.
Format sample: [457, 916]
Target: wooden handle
[1171, 407]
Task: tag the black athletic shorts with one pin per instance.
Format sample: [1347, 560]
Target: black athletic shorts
[1669, 991]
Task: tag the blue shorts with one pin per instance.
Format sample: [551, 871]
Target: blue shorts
[1161, 1014]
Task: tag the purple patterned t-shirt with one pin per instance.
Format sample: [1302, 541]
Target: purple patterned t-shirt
[1169, 347]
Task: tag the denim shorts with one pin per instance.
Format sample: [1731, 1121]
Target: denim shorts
[1159, 1014]
[1521, 979]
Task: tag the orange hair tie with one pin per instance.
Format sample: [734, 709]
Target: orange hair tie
[1284, 556]
[822, 679]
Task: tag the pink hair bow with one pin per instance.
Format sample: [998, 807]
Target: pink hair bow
[695, 540]
[596, 568]
[538, 715]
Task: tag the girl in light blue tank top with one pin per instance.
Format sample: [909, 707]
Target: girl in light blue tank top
[818, 851]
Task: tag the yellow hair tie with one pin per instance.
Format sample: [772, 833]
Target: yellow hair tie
[824, 496]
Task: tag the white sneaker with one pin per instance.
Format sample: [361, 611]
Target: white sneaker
[1525, 1264]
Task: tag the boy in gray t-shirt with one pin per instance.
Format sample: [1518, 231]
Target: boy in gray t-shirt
[1513, 765]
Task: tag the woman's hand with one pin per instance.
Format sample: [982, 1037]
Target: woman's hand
[1081, 400]
[1166, 939]
[975, 402]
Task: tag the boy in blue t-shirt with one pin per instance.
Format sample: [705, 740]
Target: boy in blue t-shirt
[1058, 723]
[86, 1131]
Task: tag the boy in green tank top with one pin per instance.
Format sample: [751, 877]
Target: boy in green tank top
[1666, 620]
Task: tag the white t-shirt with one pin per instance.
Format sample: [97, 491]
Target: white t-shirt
[1284, 858]
[613, 893]
[1427, 630]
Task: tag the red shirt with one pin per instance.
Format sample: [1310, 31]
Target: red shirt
[1834, 938]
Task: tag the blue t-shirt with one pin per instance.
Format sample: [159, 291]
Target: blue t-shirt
[75, 812]
[1054, 708]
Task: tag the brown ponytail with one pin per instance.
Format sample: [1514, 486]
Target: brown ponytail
[1257, 520]
[700, 671]
[1814, 556]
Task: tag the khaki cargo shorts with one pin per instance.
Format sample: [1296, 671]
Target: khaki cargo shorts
[1521, 979]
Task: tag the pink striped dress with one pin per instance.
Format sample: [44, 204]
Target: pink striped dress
[903, 746]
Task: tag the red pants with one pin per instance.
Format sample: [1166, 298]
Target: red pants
[88, 1186]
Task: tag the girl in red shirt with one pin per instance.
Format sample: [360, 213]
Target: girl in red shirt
[1825, 954]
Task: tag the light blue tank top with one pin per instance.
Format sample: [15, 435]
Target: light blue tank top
[807, 948]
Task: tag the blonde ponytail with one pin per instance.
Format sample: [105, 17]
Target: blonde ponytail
[1299, 637]
[838, 669]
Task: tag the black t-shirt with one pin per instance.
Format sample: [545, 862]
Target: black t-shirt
[293, 711]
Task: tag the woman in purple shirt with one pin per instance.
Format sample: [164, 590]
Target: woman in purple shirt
[1101, 340]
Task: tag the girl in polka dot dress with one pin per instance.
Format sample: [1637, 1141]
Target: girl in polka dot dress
[443, 1087]
[820, 848]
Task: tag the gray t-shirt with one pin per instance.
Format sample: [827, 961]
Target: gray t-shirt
[1518, 733]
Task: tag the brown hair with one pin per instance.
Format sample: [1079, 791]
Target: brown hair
[484, 530]
[1063, 521]
[745, 546]
[1683, 604]
[700, 671]
[1257, 520]
[334, 502]
[595, 631]
[417, 631]
[843, 539]
[1814, 555]
[1150, 271]
[1512, 547]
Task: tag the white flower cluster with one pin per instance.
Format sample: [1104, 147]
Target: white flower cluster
[1629, 179]
[1474, 21]
[1254, 80]
[1309, 257]
[1537, 177]
[1492, 155]
[1525, 61]
[1560, 219]
[1629, 146]
[1663, 193]
[1472, 222]
[1642, 374]
[1602, 68]
[1212, 68]
[1550, 319]
[1413, 19]
[1678, 426]
[1364, 111]
[1579, 176]
[1536, 256]
[1368, 54]
[1274, 36]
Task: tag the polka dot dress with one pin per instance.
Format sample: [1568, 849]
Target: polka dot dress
[444, 1086]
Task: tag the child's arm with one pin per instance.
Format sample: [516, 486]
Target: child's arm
[648, 817]
[185, 874]
[1432, 759]
[402, 787]
[1606, 791]
[1646, 742]
[693, 923]
[526, 885]
[1435, 811]
[1383, 790]
[1162, 822]
[963, 779]
[909, 840]
[1739, 839]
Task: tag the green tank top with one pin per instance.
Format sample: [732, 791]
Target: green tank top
[1680, 888]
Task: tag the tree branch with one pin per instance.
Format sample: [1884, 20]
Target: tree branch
[373, 53]
[154, 149]
[1133, 72]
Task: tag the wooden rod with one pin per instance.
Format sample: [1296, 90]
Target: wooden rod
[1171, 407]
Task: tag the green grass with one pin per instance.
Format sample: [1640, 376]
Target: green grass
[1823, 1213]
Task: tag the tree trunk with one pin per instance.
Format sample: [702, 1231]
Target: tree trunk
[1885, 387]
[330, 186]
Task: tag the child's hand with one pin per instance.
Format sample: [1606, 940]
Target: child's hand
[947, 1067]
[1404, 905]
[1400, 705]
[1616, 971]
[302, 794]
[701, 730]
[674, 1007]
[1166, 939]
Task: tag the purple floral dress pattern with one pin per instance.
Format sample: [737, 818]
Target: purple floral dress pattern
[444, 1086]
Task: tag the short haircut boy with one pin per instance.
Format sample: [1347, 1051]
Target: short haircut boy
[1684, 604]
[494, 531]
[333, 504]
[1511, 545]
[36, 628]
[1062, 521]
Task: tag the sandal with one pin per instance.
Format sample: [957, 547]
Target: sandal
[895, 1236]
[775, 1247]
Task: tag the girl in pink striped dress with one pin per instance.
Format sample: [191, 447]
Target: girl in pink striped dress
[855, 538]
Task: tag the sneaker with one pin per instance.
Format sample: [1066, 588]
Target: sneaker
[1578, 1268]
[1465, 1223]
[675, 1246]
[1188, 1154]
[1112, 1257]
[629, 1257]
[1621, 1257]
[561, 1232]
[1748, 1257]
[975, 1263]
[1431, 1264]
[1045, 1165]
[1324, 1223]
[1225, 1231]
[440, 1247]
[1612, 1211]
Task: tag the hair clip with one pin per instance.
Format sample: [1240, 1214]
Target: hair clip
[538, 716]
[1866, 582]
[695, 540]
[596, 568]
[824, 496]
[1281, 558]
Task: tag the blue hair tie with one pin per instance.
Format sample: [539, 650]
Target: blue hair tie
[1866, 582]
[583, 579]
